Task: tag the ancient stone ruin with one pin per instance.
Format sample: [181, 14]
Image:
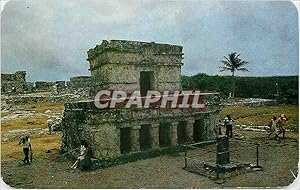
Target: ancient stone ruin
[79, 85]
[129, 66]
[13, 83]
[16, 83]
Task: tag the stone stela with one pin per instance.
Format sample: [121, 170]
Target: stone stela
[223, 157]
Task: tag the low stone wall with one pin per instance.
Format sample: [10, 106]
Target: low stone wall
[20, 100]
[43, 86]
[249, 102]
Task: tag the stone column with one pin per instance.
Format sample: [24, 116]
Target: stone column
[173, 133]
[154, 135]
[135, 138]
[209, 128]
[189, 130]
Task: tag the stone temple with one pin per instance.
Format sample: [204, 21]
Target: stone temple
[129, 66]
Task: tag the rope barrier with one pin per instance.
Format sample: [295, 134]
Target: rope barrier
[204, 152]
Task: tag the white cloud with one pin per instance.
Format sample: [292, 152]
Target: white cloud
[3, 3]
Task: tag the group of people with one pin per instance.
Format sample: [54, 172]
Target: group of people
[228, 123]
[27, 148]
[276, 126]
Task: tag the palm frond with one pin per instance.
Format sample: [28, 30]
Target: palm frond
[226, 63]
[242, 63]
[243, 69]
[224, 69]
[227, 59]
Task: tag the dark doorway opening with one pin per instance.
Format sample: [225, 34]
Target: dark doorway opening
[145, 142]
[198, 130]
[146, 82]
[181, 132]
[164, 134]
[125, 144]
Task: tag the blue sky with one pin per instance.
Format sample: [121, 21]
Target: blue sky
[49, 39]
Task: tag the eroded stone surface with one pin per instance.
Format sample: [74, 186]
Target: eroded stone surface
[119, 65]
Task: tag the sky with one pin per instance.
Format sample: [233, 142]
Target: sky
[50, 39]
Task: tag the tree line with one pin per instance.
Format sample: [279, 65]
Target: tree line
[283, 87]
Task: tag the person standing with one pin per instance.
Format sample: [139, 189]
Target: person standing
[228, 121]
[50, 124]
[280, 126]
[272, 126]
[26, 148]
[217, 129]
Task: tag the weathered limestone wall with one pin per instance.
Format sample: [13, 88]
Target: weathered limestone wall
[101, 128]
[80, 85]
[116, 65]
[80, 82]
[13, 83]
[16, 83]
[43, 86]
[127, 77]
[32, 99]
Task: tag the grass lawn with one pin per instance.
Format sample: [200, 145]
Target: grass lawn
[31, 122]
[40, 144]
[3, 114]
[42, 107]
[246, 115]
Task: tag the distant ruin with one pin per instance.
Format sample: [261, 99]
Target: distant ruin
[128, 66]
[16, 84]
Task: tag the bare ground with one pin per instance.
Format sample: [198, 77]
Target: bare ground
[52, 170]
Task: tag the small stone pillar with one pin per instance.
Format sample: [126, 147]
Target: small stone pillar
[222, 147]
[154, 135]
[135, 138]
[189, 130]
[173, 133]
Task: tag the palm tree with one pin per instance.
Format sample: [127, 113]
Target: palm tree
[233, 63]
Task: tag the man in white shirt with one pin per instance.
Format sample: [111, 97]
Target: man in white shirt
[26, 147]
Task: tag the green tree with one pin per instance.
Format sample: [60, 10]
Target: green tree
[233, 63]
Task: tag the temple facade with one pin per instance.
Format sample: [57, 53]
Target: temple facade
[130, 66]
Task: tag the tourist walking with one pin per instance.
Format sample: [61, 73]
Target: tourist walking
[25, 141]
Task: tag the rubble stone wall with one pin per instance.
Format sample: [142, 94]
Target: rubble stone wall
[111, 133]
[80, 82]
[43, 86]
[20, 100]
[116, 65]
[13, 83]
[101, 128]
[80, 85]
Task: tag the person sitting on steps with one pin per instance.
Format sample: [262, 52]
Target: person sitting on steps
[83, 153]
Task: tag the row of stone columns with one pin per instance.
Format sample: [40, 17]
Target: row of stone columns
[154, 135]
